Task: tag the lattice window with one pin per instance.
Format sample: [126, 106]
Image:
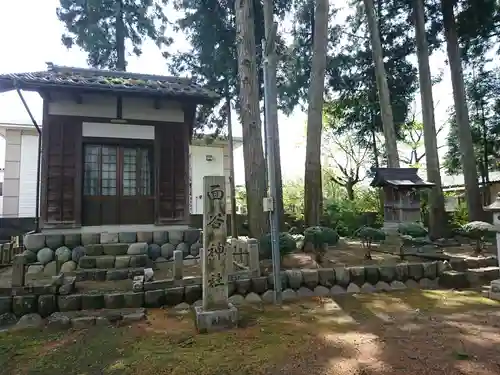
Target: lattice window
[108, 176]
[145, 165]
[91, 170]
[129, 171]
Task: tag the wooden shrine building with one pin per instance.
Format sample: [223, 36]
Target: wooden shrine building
[401, 188]
[115, 146]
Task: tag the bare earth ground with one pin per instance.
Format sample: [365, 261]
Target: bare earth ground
[413, 333]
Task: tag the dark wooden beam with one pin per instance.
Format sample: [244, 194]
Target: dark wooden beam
[119, 108]
[157, 103]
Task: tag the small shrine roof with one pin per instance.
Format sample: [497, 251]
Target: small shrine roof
[399, 177]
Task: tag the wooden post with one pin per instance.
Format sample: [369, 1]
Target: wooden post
[215, 257]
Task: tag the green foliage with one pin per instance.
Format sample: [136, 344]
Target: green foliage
[478, 231]
[460, 216]
[414, 230]
[347, 216]
[287, 244]
[320, 236]
[92, 26]
[370, 235]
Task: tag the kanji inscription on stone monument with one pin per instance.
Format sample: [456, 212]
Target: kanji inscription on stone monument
[215, 289]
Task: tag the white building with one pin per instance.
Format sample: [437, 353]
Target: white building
[18, 178]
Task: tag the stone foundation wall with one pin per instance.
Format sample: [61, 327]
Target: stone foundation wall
[48, 253]
[188, 291]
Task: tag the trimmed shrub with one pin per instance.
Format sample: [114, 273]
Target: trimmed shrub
[320, 236]
[287, 244]
[412, 229]
[478, 231]
[368, 235]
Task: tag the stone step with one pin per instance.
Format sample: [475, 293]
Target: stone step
[454, 279]
[478, 276]
[99, 274]
[81, 319]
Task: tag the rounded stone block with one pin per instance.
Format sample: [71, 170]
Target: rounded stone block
[106, 238]
[195, 249]
[321, 291]
[412, 284]
[236, 299]
[50, 269]
[294, 278]
[243, 286]
[304, 292]
[87, 262]
[72, 240]
[5, 305]
[382, 286]
[430, 270]
[94, 250]
[398, 285]
[77, 253]
[133, 299]
[259, 284]
[415, 271]
[191, 236]
[30, 256]
[154, 298]
[58, 321]
[174, 296]
[337, 290]
[357, 275]
[114, 301]
[45, 255]
[175, 237]
[47, 305]
[117, 274]
[353, 288]
[310, 278]
[138, 260]
[372, 274]
[63, 254]
[253, 298]
[387, 273]
[145, 237]
[34, 241]
[367, 288]
[105, 261]
[92, 301]
[289, 295]
[192, 293]
[154, 251]
[22, 305]
[167, 250]
[70, 302]
[138, 248]
[402, 272]
[90, 238]
[326, 277]
[122, 261]
[34, 269]
[127, 237]
[342, 276]
[268, 296]
[160, 237]
[54, 241]
[30, 321]
[184, 247]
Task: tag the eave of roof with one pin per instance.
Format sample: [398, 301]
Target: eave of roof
[93, 80]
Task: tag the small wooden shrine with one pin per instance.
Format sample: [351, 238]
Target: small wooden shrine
[401, 188]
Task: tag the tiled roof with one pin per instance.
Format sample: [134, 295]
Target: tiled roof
[106, 80]
[449, 181]
[398, 177]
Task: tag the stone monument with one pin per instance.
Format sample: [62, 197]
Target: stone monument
[494, 208]
[216, 313]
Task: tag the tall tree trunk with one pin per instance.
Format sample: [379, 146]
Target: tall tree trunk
[350, 190]
[437, 213]
[273, 112]
[472, 193]
[486, 185]
[255, 166]
[383, 88]
[313, 195]
[232, 190]
[121, 64]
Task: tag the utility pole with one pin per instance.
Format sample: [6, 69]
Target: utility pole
[268, 48]
[232, 193]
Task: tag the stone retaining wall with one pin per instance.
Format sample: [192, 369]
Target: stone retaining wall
[295, 283]
[48, 252]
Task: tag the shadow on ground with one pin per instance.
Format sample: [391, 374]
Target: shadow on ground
[410, 332]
